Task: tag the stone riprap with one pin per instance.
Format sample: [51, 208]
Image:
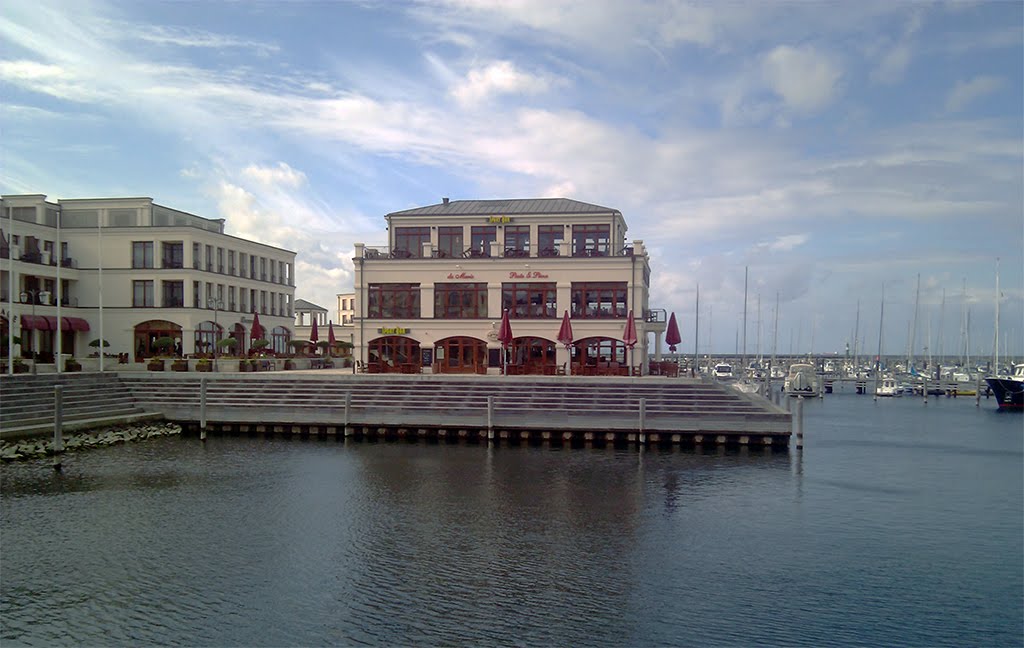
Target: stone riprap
[38, 448]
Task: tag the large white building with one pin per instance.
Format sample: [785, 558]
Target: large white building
[432, 300]
[133, 271]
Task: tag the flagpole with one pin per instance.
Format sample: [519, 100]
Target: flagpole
[10, 290]
[60, 322]
[696, 336]
[99, 264]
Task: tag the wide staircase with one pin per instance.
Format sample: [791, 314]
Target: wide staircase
[445, 401]
[88, 400]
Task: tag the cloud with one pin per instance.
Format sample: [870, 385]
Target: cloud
[804, 78]
[893, 65]
[281, 175]
[786, 243]
[499, 77]
[184, 37]
[965, 93]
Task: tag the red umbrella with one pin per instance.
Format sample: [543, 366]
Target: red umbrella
[629, 338]
[672, 337]
[505, 337]
[314, 335]
[330, 333]
[565, 337]
[257, 330]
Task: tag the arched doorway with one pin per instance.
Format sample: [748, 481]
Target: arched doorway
[460, 355]
[279, 339]
[239, 336]
[532, 355]
[600, 356]
[147, 333]
[393, 354]
[207, 334]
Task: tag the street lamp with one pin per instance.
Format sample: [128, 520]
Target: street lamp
[218, 304]
[35, 293]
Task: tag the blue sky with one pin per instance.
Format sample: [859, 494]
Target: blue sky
[833, 148]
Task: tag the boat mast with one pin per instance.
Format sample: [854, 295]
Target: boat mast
[963, 324]
[696, 335]
[743, 362]
[913, 327]
[942, 317]
[856, 332]
[759, 358]
[995, 354]
[775, 333]
[878, 358]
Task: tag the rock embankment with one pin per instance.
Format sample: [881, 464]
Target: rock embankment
[37, 448]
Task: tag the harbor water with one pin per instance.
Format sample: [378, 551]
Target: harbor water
[899, 524]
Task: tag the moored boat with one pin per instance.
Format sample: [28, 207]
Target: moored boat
[1009, 390]
[802, 380]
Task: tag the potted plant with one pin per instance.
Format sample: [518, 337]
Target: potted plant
[298, 346]
[72, 365]
[227, 346]
[164, 345]
[20, 366]
[323, 346]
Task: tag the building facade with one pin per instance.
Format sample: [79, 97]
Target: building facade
[434, 298]
[346, 308]
[131, 272]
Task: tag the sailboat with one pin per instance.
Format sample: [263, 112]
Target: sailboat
[1009, 390]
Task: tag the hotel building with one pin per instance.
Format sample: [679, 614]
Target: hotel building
[133, 271]
[433, 299]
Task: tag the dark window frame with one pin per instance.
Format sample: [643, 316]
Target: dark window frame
[393, 301]
[530, 300]
[460, 300]
[599, 300]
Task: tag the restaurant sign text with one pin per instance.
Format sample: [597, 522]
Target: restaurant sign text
[393, 331]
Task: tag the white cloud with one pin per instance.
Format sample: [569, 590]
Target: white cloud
[273, 176]
[182, 37]
[805, 79]
[893, 65]
[29, 71]
[786, 243]
[499, 77]
[966, 92]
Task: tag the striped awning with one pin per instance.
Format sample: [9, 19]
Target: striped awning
[49, 323]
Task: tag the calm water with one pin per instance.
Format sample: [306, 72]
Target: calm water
[899, 524]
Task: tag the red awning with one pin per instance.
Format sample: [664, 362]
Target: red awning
[49, 323]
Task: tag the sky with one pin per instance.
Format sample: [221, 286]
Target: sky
[833, 151]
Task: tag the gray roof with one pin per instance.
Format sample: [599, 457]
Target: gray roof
[303, 305]
[506, 208]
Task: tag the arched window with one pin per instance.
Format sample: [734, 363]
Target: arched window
[207, 334]
[147, 333]
[394, 354]
[279, 338]
[532, 355]
[599, 353]
[460, 355]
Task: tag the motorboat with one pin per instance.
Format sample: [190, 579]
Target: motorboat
[722, 371]
[802, 380]
[889, 387]
[1009, 390]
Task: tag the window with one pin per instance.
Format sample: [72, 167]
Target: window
[526, 300]
[142, 294]
[591, 240]
[273, 271]
[393, 301]
[480, 239]
[220, 260]
[209, 258]
[252, 267]
[197, 295]
[279, 338]
[252, 300]
[174, 294]
[517, 240]
[263, 268]
[263, 302]
[231, 298]
[231, 262]
[549, 240]
[460, 300]
[242, 265]
[243, 302]
[449, 242]
[173, 255]
[196, 255]
[206, 336]
[599, 300]
[142, 254]
[409, 241]
[209, 295]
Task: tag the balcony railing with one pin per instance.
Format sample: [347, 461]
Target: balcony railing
[497, 251]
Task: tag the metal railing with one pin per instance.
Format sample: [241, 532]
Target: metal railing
[507, 252]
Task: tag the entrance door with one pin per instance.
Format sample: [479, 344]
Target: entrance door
[461, 355]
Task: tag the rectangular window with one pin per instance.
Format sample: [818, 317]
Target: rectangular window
[173, 255]
[243, 302]
[209, 295]
[197, 255]
[393, 301]
[591, 240]
[549, 240]
[480, 239]
[263, 302]
[529, 300]
[263, 268]
[252, 300]
[231, 262]
[460, 301]
[197, 295]
[517, 240]
[252, 266]
[273, 271]
[599, 300]
[231, 298]
[220, 260]
[174, 294]
[209, 258]
[409, 241]
[449, 242]
[142, 294]
[142, 254]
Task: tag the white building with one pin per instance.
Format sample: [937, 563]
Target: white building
[346, 308]
[433, 299]
[133, 271]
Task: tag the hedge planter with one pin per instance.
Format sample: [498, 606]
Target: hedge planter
[179, 365]
[155, 365]
[204, 366]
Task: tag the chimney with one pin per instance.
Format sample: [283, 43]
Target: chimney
[445, 200]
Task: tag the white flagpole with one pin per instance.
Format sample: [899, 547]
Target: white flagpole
[99, 264]
[10, 290]
[60, 322]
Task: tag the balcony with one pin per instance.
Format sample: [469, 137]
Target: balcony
[498, 251]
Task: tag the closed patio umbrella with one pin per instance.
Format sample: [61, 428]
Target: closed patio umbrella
[505, 337]
[331, 340]
[257, 332]
[672, 337]
[565, 337]
[629, 338]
